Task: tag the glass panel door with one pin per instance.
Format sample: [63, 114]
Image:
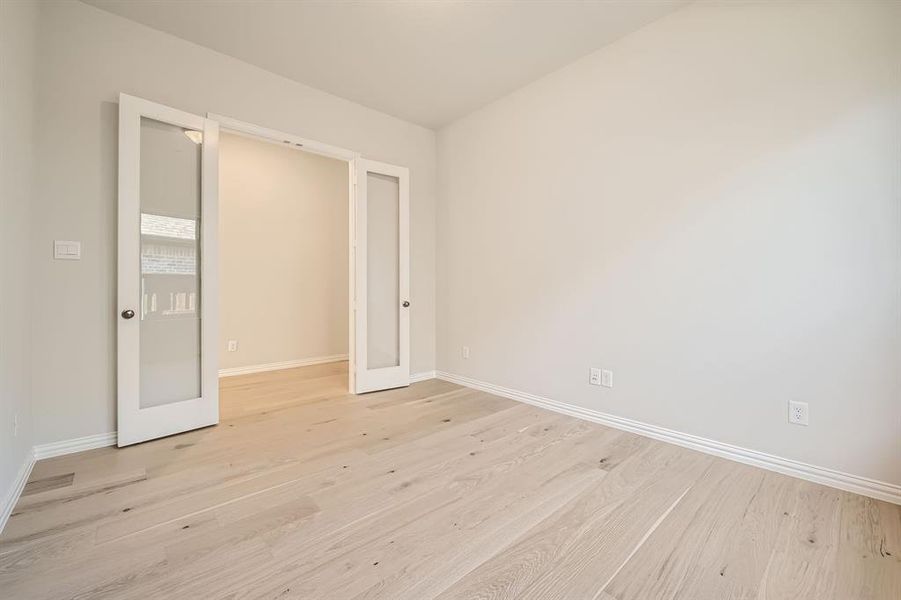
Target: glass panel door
[383, 274]
[167, 381]
[382, 277]
[170, 252]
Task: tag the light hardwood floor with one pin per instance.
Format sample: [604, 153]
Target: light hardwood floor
[433, 491]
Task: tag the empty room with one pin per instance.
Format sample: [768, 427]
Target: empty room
[450, 299]
[284, 272]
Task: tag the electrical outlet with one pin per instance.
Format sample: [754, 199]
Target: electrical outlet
[232, 345]
[594, 376]
[607, 378]
[465, 351]
[798, 413]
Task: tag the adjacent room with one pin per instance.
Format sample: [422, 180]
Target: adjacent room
[284, 271]
[450, 299]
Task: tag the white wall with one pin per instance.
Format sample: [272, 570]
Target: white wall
[283, 243]
[18, 37]
[711, 208]
[87, 57]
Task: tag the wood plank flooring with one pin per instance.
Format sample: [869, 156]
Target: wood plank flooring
[432, 491]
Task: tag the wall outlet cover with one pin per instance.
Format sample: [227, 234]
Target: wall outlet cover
[607, 378]
[798, 413]
[594, 376]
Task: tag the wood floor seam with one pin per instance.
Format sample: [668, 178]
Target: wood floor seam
[654, 526]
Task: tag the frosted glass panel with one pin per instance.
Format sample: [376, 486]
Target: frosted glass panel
[170, 255]
[383, 270]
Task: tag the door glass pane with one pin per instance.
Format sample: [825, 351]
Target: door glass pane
[170, 263]
[383, 270]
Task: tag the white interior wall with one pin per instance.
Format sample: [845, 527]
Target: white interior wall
[18, 39]
[283, 264]
[87, 56]
[709, 207]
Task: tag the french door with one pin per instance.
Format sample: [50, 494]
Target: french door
[167, 288]
[167, 309]
[382, 277]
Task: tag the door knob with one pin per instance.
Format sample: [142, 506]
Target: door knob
[406, 303]
[128, 313]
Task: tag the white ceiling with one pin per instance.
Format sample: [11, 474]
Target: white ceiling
[428, 62]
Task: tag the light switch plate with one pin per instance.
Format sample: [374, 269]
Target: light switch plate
[66, 250]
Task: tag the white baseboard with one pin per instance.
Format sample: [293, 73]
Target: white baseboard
[89, 442]
[843, 481]
[9, 502]
[277, 366]
[423, 376]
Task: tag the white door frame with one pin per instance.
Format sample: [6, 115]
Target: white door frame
[348, 156]
[138, 424]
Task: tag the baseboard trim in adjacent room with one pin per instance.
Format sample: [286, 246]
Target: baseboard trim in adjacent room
[277, 366]
[843, 481]
[89, 442]
[9, 502]
[423, 376]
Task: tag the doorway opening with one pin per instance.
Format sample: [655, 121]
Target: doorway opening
[170, 336]
[284, 273]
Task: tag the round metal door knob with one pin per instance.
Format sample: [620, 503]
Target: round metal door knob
[406, 303]
[128, 313]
